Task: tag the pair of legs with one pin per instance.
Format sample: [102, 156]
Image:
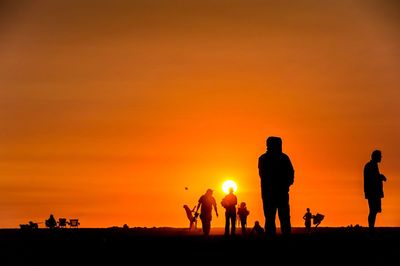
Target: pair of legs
[308, 226]
[243, 223]
[230, 220]
[375, 207]
[206, 226]
[271, 205]
[206, 223]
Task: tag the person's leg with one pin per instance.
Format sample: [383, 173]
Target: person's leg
[227, 223]
[205, 224]
[284, 214]
[207, 228]
[371, 220]
[374, 208]
[243, 224]
[270, 214]
[233, 223]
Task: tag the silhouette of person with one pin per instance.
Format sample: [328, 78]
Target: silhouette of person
[307, 220]
[51, 222]
[373, 187]
[257, 230]
[207, 202]
[277, 175]
[243, 212]
[229, 203]
[192, 217]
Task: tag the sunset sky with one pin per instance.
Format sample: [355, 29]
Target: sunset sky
[109, 109]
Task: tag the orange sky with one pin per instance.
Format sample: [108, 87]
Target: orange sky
[109, 110]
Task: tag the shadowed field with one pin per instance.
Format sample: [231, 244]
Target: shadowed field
[171, 246]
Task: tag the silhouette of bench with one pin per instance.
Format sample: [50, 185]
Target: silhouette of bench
[74, 223]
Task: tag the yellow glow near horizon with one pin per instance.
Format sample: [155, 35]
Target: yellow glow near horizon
[227, 185]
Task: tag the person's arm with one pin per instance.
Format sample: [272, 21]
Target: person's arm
[215, 208]
[198, 205]
[290, 171]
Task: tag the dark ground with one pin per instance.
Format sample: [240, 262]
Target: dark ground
[176, 246]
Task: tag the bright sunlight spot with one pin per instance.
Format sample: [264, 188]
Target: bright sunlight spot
[227, 185]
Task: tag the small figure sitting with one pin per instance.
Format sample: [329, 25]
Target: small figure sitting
[51, 222]
[257, 230]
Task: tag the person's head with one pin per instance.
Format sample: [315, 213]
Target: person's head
[308, 209]
[274, 144]
[256, 223]
[376, 156]
[231, 190]
[209, 191]
[243, 204]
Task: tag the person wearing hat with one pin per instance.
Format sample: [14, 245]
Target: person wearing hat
[206, 203]
[277, 175]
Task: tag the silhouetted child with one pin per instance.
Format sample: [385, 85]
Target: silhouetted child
[307, 220]
[192, 216]
[257, 230]
[51, 222]
[243, 213]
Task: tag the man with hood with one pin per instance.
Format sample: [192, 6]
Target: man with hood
[277, 175]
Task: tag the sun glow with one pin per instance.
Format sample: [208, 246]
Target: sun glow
[229, 184]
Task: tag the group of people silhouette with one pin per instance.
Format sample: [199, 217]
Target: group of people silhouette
[207, 203]
[276, 174]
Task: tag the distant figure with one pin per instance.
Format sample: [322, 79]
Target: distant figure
[243, 212]
[277, 175]
[192, 216]
[207, 202]
[229, 203]
[307, 220]
[257, 230]
[51, 222]
[373, 187]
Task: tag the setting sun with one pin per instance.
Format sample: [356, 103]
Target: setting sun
[227, 185]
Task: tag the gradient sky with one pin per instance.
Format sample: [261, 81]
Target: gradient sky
[109, 109]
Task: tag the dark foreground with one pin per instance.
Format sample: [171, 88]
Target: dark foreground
[172, 246]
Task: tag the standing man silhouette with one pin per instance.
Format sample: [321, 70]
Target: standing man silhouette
[229, 203]
[307, 217]
[207, 202]
[277, 175]
[373, 187]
